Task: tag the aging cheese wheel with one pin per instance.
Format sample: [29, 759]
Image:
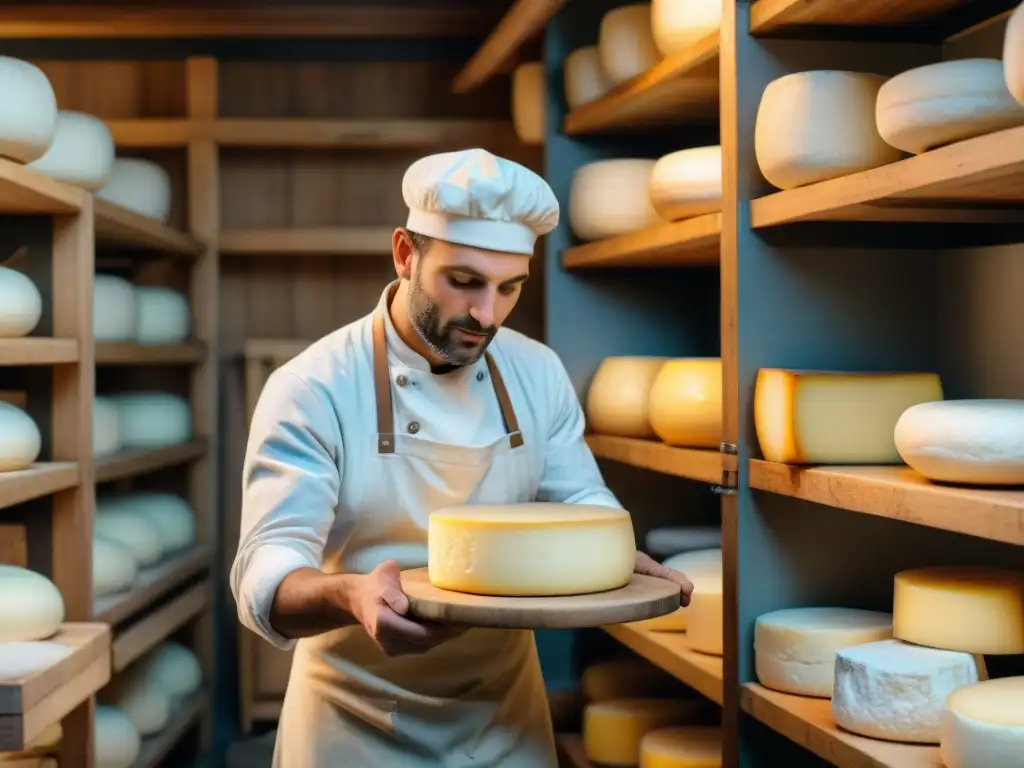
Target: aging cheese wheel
[685, 403]
[699, 567]
[964, 441]
[1013, 54]
[163, 315]
[795, 648]
[612, 730]
[31, 606]
[116, 740]
[174, 669]
[131, 530]
[945, 102]
[684, 746]
[704, 617]
[153, 419]
[530, 102]
[677, 24]
[618, 396]
[609, 198]
[113, 567]
[625, 678]
[814, 417]
[106, 428]
[530, 549]
[687, 183]
[148, 705]
[82, 152]
[583, 78]
[813, 126]
[20, 439]
[171, 515]
[625, 42]
[28, 111]
[28, 658]
[141, 186]
[21, 304]
[895, 691]
[983, 725]
[674, 540]
[114, 312]
[974, 609]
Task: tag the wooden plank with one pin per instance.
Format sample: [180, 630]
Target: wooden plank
[131, 353]
[23, 191]
[773, 16]
[353, 134]
[34, 350]
[151, 584]
[361, 241]
[39, 480]
[690, 243]
[156, 747]
[691, 463]
[131, 463]
[146, 634]
[151, 133]
[117, 227]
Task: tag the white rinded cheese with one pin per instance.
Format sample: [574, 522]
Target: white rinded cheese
[116, 740]
[795, 648]
[114, 522]
[987, 603]
[964, 441]
[704, 615]
[685, 403]
[530, 549]
[674, 540]
[82, 152]
[31, 606]
[677, 24]
[106, 429]
[682, 746]
[1013, 54]
[624, 678]
[114, 311]
[170, 514]
[113, 567]
[941, 103]
[699, 567]
[822, 417]
[28, 111]
[612, 730]
[983, 725]
[20, 439]
[895, 691]
[530, 102]
[609, 198]
[22, 659]
[174, 669]
[583, 78]
[687, 183]
[148, 705]
[21, 304]
[138, 185]
[618, 396]
[625, 43]
[163, 315]
[153, 419]
[813, 126]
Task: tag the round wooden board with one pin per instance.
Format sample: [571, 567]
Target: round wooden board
[643, 598]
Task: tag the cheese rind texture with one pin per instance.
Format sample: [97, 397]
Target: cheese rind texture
[618, 399]
[677, 24]
[529, 102]
[20, 438]
[687, 183]
[795, 648]
[1013, 54]
[684, 746]
[964, 441]
[172, 668]
[114, 568]
[530, 549]
[704, 614]
[163, 315]
[624, 678]
[31, 606]
[131, 530]
[116, 740]
[583, 78]
[974, 609]
[153, 419]
[896, 691]
[613, 730]
[114, 311]
[21, 304]
[28, 112]
[609, 198]
[685, 403]
[625, 42]
[812, 417]
[82, 151]
[983, 725]
[140, 186]
[147, 705]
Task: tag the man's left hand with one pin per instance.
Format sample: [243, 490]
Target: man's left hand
[648, 566]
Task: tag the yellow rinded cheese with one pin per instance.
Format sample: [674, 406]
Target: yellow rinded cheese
[704, 623]
[624, 679]
[530, 549]
[685, 746]
[619, 394]
[687, 183]
[812, 417]
[983, 725]
[529, 102]
[975, 609]
[626, 43]
[699, 566]
[685, 403]
[612, 730]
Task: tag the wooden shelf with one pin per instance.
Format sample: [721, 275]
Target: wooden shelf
[571, 751]
[361, 241]
[132, 463]
[691, 463]
[681, 88]
[26, 192]
[36, 350]
[809, 723]
[156, 747]
[30, 704]
[38, 480]
[146, 634]
[130, 353]
[117, 227]
[690, 243]
[773, 16]
[353, 134]
[151, 133]
[899, 493]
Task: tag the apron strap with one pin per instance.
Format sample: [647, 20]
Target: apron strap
[508, 414]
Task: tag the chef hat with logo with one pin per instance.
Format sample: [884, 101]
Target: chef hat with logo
[474, 198]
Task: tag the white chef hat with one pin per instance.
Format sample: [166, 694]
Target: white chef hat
[474, 198]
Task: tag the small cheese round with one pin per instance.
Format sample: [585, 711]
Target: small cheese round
[106, 427]
[813, 126]
[153, 419]
[685, 403]
[625, 42]
[624, 678]
[704, 617]
[141, 186]
[1013, 54]
[147, 705]
[174, 669]
[163, 315]
[964, 441]
[612, 730]
[700, 567]
[28, 658]
[975, 609]
[677, 24]
[983, 725]
[20, 439]
[116, 740]
[31, 606]
[795, 648]
[583, 78]
[687, 183]
[609, 198]
[684, 746]
[530, 102]
[114, 311]
[941, 103]
[82, 152]
[21, 304]
[171, 515]
[131, 530]
[28, 112]
[674, 540]
[113, 567]
[530, 549]
[618, 396]
[895, 691]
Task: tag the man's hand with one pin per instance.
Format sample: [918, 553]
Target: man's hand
[648, 566]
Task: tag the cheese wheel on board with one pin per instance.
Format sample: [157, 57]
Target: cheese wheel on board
[625, 42]
[140, 186]
[818, 125]
[974, 609]
[530, 102]
[583, 78]
[609, 198]
[618, 396]
[687, 183]
[174, 669]
[942, 103]
[683, 746]
[148, 705]
[20, 439]
[699, 566]
[612, 730]
[685, 403]
[677, 24]
[1013, 54]
[113, 567]
[28, 112]
[974, 442]
[170, 514]
[824, 417]
[895, 691]
[23, 659]
[114, 309]
[162, 315]
[625, 678]
[116, 740]
[31, 606]
[106, 428]
[795, 648]
[82, 151]
[21, 304]
[704, 615]
[674, 540]
[983, 725]
[129, 529]
[153, 419]
[530, 549]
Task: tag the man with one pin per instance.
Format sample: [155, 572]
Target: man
[426, 402]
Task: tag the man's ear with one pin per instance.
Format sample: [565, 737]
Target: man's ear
[402, 251]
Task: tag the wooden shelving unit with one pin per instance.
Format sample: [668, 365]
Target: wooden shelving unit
[692, 242]
[358, 241]
[692, 463]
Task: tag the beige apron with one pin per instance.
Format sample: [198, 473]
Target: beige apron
[477, 700]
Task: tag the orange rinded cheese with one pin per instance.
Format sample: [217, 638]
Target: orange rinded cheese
[619, 396]
[685, 403]
[612, 730]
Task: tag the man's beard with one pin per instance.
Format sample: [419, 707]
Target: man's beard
[443, 339]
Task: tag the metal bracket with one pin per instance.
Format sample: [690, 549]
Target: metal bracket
[730, 478]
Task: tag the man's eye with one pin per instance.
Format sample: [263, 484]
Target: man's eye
[461, 282]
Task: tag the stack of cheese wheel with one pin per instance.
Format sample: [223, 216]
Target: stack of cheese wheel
[28, 114]
[613, 729]
[626, 43]
[149, 420]
[1013, 54]
[684, 746]
[20, 439]
[81, 153]
[140, 186]
[31, 613]
[982, 725]
[146, 314]
[106, 431]
[609, 198]
[678, 24]
[529, 102]
[619, 395]
[625, 678]
[583, 78]
[687, 183]
[116, 740]
[685, 403]
[703, 568]
[21, 304]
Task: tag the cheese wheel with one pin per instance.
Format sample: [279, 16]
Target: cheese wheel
[795, 648]
[530, 102]
[675, 540]
[699, 567]
[147, 705]
[625, 678]
[895, 691]
[625, 43]
[530, 549]
[23, 659]
[612, 730]
[21, 304]
[131, 530]
[583, 78]
[975, 609]
[618, 396]
[28, 112]
[171, 515]
[983, 725]
[704, 615]
[173, 668]
[964, 441]
[813, 126]
[684, 746]
[1013, 54]
[31, 606]
[113, 567]
[687, 183]
[106, 428]
[82, 151]
[140, 186]
[677, 24]
[941, 103]
[114, 311]
[821, 417]
[153, 419]
[20, 439]
[163, 315]
[685, 403]
[609, 198]
[116, 740]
